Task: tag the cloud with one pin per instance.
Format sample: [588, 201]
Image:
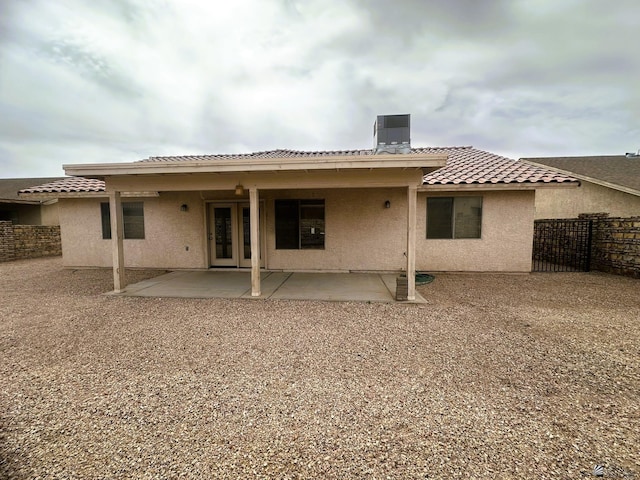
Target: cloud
[120, 80]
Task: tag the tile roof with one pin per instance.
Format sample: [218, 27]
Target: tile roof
[68, 185]
[465, 165]
[280, 153]
[613, 169]
[468, 165]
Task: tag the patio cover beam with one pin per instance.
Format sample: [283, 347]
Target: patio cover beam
[254, 221]
[412, 196]
[117, 234]
[383, 178]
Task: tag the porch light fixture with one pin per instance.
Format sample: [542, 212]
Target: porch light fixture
[387, 204]
[184, 207]
[239, 190]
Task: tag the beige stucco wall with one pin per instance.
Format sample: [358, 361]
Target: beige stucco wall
[168, 233]
[361, 234]
[23, 214]
[50, 214]
[588, 198]
[506, 243]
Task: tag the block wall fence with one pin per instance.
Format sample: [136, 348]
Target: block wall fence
[615, 246]
[28, 241]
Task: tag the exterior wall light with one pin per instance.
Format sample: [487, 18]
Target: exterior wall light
[387, 204]
[184, 207]
[239, 190]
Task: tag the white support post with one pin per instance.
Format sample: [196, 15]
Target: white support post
[254, 218]
[412, 198]
[117, 234]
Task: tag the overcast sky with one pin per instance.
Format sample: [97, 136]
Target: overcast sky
[121, 80]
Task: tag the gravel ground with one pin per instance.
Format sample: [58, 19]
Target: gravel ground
[532, 376]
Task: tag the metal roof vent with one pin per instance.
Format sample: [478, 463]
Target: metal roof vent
[391, 134]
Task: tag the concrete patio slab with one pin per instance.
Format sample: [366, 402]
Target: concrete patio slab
[334, 286]
[363, 287]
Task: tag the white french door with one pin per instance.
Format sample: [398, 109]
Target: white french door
[230, 235]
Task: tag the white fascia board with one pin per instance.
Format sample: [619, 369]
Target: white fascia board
[257, 165]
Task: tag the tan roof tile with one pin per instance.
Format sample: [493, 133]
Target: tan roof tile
[465, 165]
[68, 185]
[280, 153]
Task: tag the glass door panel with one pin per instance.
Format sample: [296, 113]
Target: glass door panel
[223, 232]
[230, 235]
[246, 233]
[223, 235]
[244, 214]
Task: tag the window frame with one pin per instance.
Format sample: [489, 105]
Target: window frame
[290, 230]
[453, 218]
[134, 225]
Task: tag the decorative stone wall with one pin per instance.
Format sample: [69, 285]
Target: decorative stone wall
[7, 243]
[28, 241]
[615, 244]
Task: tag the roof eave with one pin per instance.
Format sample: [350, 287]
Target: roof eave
[104, 194]
[101, 170]
[19, 201]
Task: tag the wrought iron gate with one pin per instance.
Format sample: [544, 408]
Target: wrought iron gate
[562, 245]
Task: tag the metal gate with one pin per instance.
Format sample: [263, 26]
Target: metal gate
[562, 245]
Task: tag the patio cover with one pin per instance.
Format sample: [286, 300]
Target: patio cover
[255, 173]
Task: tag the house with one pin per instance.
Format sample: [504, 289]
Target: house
[392, 208]
[22, 211]
[608, 184]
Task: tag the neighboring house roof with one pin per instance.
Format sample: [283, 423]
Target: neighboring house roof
[619, 172]
[464, 166]
[9, 188]
[67, 185]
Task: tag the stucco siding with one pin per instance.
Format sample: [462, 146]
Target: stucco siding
[360, 233]
[81, 234]
[506, 243]
[588, 198]
[24, 214]
[168, 233]
[29, 215]
[50, 214]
